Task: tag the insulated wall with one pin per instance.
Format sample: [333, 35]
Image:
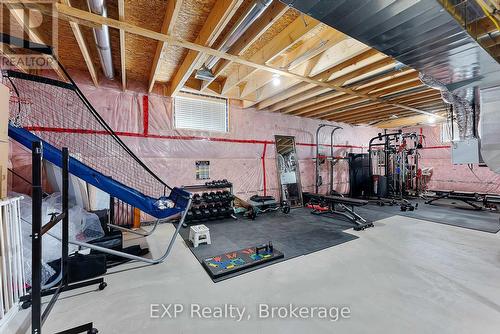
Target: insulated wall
[446, 175]
[245, 155]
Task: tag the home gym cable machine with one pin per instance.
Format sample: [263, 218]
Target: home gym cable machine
[393, 165]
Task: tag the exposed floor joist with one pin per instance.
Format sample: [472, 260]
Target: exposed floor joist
[272, 14]
[123, 60]
[19, 15]
[216, 21]
[171, 14]
[75, 14]
[83, 48]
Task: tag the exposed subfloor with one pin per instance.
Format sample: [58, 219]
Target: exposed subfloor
[402, 276]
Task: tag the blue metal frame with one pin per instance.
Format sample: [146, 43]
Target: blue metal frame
[114, 188]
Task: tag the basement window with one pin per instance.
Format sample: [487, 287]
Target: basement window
[201, 112]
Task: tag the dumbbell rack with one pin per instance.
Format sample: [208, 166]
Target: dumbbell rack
[210, 202]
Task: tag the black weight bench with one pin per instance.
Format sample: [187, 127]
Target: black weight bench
[471, 199]
[346, 205]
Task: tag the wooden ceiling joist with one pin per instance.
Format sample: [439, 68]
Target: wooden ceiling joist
[291, 60]
[361, 71]
[331, 102]
[310, 48]
[388, 82]
[338, 106]
[123, 61]
[367, 115]
[370, 110]
[69, 13]
[171, 15]
[272, 14]
[19, 15]
[8, 53]
[221, 13]
[77, 32]
[300, 87]
[299, 98]
[398, 88]
[286, 38]
[312, 102]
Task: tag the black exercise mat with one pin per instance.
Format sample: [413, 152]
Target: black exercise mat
[295, 234]
[442, 212]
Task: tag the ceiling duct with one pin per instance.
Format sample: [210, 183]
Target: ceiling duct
[462, 109]
[418, 33]
[257, 7]
[102, 40]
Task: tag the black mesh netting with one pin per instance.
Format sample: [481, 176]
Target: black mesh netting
[58, 113]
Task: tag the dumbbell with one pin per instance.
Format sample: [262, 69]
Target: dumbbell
[189, 215]
[217, 196]
[197, 214]
[208, 197]
[205, 212]
[223, 211]
[214, 212]
[196, 199]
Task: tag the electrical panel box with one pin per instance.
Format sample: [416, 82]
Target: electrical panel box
[466, 151]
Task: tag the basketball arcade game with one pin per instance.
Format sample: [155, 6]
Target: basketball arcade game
[56, 115]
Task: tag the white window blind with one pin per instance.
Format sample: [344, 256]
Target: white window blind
[201, 113]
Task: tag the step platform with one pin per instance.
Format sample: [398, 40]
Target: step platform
[231, 262]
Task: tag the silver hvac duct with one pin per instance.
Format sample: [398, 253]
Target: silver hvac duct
[102, 40]
[462, 109]
[257, 7]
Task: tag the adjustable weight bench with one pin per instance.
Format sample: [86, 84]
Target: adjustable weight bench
[347, 208]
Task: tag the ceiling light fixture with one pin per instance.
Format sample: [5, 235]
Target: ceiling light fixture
[276, 79]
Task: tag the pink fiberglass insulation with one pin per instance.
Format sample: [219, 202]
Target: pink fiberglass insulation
[446, 175]
[236, 155]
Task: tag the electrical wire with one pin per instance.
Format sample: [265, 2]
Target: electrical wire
[487, 13]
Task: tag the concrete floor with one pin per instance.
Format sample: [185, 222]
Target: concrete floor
[403, 276]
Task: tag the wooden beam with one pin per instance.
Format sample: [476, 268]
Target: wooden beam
[70, 12]
[404, 121]
[83, 48]
[400, 87]
[123, 60]
[272, 14]
[352, 118]
[286, 38]
[390, 81]
[322, 75]
[338, 106]
[383, 117]
[366, 110]
[292, 91]
[8, 53]
[171, 15]
[220, 15]
[327, 73]
[299, 98]
[310, 48]
[312, 102]
[358, 115]
[34, 36]
[267, 91]
[360, 71]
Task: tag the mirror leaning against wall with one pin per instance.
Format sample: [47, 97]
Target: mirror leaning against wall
[288, 171]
